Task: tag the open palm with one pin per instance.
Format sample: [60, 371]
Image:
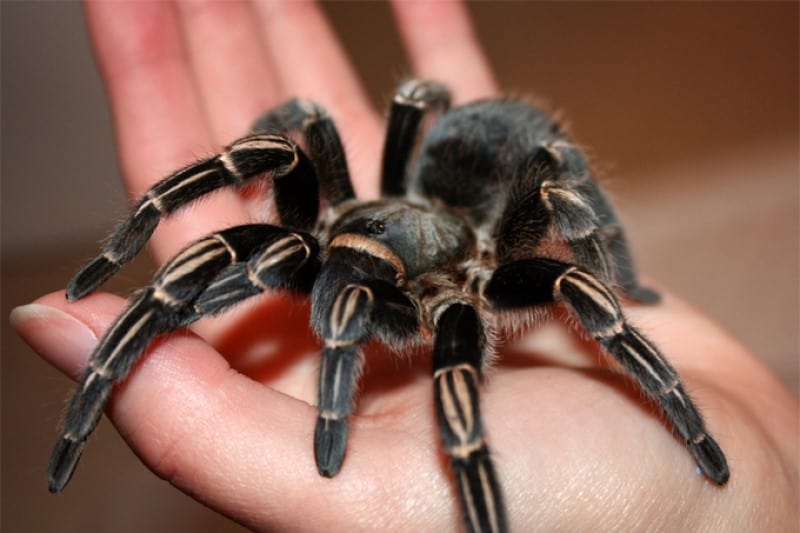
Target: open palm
[227, 414]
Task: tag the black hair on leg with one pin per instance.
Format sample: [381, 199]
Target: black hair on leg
[529, 282]
[612, 235]
[318, 132]
[243, 160]
[412, 99]
[457, 359]
[358, 312]
[286, 260]
[169, 303]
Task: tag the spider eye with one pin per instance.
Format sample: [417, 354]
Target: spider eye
[375, 227]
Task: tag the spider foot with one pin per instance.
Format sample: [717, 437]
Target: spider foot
[90, 277]
[643, 295]
[710, 459]
[330, 443]
[63, 461]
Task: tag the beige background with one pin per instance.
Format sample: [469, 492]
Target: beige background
[691, 109]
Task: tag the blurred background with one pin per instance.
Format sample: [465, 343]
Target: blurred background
[690, 109]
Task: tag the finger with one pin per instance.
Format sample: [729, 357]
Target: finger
[442, 46]
[158, 116]
[232, 70]
[311, 64]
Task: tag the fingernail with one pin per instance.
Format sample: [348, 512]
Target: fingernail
[56, 336]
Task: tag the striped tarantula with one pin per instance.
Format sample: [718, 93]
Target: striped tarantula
[493, 210]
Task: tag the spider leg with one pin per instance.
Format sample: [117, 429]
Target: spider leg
[164, 306]
[358, 312]
[533, 281]
[295, 189]
[321, 140]
[539, 196]
[288, 261]
[412, 100]
[457, 359]
[573, 163]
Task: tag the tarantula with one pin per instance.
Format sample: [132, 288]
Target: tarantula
[494, 209]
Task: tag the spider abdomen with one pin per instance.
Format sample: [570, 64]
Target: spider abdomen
[469, 157]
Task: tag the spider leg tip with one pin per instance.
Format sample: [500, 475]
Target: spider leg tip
[74, 291]
[711, 460]
[72, 295]
[90, 277]
[644, 295]
[330, 443]
[63, 461]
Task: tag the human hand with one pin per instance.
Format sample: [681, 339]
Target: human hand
[244, 448]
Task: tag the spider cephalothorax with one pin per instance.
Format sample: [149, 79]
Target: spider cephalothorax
[496, 211]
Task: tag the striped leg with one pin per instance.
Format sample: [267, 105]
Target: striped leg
[162, 307]
[573, 163]
[457, 360]
[542, 195]
[321, 140]
[529, 282]
[295, 189]
[411, 101]
[286, 261]
[358, 312]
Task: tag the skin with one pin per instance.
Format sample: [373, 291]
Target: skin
[588, 453]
